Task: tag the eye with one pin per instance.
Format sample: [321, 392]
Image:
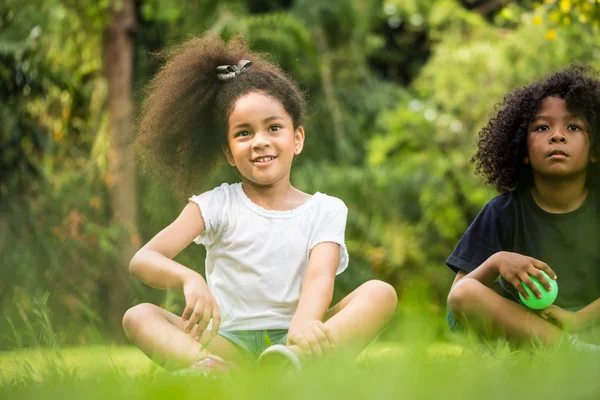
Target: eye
[242, 134]
[274, 128]
[541, 128]
[574, 127]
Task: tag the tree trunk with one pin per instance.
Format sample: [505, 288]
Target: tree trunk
[119, 48]
[7, 271]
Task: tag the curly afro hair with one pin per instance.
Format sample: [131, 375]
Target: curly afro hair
[184, 118]
[502, 144]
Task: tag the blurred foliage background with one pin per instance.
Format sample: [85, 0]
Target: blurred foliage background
[398, 90]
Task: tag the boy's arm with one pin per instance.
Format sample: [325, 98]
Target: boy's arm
[515, 268]
[574, 321]
[589, 315]
[486, 273]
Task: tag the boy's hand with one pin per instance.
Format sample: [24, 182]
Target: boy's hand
[200, 308]
[312, 338]
[566, 320]
[516, 268]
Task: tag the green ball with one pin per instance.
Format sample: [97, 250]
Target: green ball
[547, 297]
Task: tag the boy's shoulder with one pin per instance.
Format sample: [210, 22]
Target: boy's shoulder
[506, 202]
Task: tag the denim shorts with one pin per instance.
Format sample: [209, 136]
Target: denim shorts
[254, 343]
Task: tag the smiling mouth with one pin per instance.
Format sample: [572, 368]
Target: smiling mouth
[263, 159]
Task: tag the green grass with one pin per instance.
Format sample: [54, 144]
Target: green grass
[386, 370]
[414, 358]
[34, 365]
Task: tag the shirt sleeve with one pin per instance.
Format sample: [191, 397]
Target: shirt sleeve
[484, 237]
[213, 205]
[331, 228]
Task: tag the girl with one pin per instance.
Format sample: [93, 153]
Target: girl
[272, 250]
[540, 151]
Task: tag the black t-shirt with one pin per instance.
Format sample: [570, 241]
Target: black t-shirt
[568, 243]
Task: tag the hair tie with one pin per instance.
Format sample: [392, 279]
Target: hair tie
[227, 72]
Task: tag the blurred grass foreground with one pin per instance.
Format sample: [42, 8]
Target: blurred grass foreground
[386, 370]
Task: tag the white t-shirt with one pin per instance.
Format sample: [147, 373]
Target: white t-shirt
[256, 259]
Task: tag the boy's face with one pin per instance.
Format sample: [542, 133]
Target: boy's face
[558, 143]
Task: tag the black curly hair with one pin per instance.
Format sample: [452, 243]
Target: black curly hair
[184, 118]
[502, 143]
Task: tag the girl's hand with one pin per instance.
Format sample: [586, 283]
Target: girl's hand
[566, 320]
[312, 338]
[516, 268]
[200, 308]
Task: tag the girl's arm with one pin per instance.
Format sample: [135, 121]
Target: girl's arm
[307, 329]
[317, 289]
[153, 263]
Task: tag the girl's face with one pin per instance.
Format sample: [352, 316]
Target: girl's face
[262, 141]
[558, 143]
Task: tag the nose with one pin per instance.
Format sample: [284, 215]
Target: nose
[260, 140]
[558, 136]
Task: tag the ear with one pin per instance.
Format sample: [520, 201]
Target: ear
[592, 159]
[299, 140]
[525, 160]
[227, 151]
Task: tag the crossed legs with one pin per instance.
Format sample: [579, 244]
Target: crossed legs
[160, 335]
[354, 321]
[486, 311]
[359, 317]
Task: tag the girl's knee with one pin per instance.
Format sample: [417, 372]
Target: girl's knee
[135, 316]
[383, 293]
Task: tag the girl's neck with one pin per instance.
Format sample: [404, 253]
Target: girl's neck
[279, 197]
[559, 196]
